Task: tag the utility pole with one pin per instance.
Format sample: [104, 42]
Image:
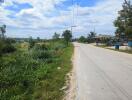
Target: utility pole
[72, 28]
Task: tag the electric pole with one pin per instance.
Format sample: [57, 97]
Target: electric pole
[72, 28]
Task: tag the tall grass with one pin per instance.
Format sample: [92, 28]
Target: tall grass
[37, 74]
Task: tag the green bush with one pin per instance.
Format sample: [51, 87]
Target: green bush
[31, 42]
[42, 52]
[9, 41]
[39, 54]
[41, 47]
[8, 48]
[59, 47]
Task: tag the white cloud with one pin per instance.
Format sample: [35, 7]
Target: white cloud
[100, 17]
[44, 17]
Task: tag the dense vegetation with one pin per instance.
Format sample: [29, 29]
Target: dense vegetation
[6, 46]
[36, 73]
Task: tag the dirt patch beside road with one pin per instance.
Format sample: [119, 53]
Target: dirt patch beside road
[70, 93]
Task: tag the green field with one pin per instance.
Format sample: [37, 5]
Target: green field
[35, 74]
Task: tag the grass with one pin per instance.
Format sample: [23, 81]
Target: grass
[102, 46]
[35, 74]
[125, 51]
[50, 89]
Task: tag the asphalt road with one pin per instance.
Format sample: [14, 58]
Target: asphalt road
[102, 74]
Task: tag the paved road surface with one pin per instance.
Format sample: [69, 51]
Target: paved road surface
[102, 74]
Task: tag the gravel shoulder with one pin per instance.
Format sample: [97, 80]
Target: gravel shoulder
[70, 93]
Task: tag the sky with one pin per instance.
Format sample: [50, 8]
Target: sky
[41, 18]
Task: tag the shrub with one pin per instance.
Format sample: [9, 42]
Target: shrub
[41, 47]
[1, 46]
[9, 41]
[42, 52]
[31, 42]
[59, 46]
[39, 54]
[7, 48]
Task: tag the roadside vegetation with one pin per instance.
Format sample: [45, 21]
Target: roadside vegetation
[119, 50]
[34, 70]
[125, 51]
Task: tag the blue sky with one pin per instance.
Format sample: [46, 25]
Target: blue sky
[41, 18]
[17, 7]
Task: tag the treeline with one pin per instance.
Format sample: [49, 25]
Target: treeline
[89, 39]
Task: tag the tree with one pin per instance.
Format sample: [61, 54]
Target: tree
[124, 21]
[56, 36]
[67, 34]
[38, 39]
[3, 31]
[92, 34]
[82, 39]
[91, 37]
[31, 42]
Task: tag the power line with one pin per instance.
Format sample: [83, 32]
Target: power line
[73, 12]
[77, 11]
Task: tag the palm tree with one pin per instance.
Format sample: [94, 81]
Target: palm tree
[3, 31]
